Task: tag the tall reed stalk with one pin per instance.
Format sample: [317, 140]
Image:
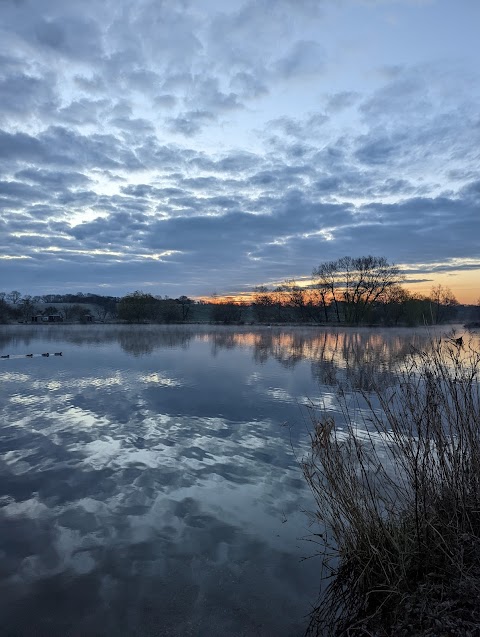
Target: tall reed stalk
[398, 495]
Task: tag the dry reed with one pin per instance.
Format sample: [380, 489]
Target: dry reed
[398, 496]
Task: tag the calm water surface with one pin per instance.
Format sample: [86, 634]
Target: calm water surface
[149, 483]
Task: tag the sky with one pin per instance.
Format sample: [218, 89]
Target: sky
[204, 146]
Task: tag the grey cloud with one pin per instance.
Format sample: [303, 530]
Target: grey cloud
[282, 240]
[91, 93]
[94, 84]
[144, 80]
[210, 236]
[74, 37]
[407, 96]
[429, 227]
[177, 80]
[248, 85]
[165, 100]
[377, 151]
[203, 183]
[472, 190]
[89, 150]
[83, 111]
[21, 146]
[53, 180]
[140, 190]
[207, 93]
[48, 212]
[9, 203]
[23, 93]
[305, 58]
[412, 121]
[137, 126]
[118, 203]
[167, 157]
[339, 101]
[279, 177]
[189, 123]
[60, 146]
[300, 128]
[78, 199]
[21, 191]
[11, 65]
[241, 38]
[235, 162]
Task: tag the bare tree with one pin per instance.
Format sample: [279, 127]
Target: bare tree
[27, 308]
[263, 304]
[297, 298]
[14, 296]
[394, 306]
[442, 301]
[356, 282]
[186, 305]
[320, 291]
[102, 313]
[326, 282]
[374, 277]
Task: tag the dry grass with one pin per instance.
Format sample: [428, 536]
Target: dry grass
[399, 499]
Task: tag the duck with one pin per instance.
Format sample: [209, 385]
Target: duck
[58, 354]
[5, 356]
[46, 354]
[29, 355]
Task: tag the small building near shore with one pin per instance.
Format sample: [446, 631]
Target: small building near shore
[49, 318]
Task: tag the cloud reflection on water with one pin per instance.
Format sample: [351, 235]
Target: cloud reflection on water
[145, 476]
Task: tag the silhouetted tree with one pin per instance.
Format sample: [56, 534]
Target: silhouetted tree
[5, 311]
[263, 305]
[169, 311]
[356, 283]
[326, 281]
[443, 304]
[27, 308]
[137, 307]
[296, 297]
[226, 313]
[186, 306]
[393, 309]
[14, 296]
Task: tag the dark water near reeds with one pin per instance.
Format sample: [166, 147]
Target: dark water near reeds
[149, 483]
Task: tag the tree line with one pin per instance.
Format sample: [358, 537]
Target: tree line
[352, 291]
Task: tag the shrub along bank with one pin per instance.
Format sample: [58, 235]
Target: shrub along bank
[399, 501]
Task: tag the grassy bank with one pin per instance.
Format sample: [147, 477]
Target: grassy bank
[401, 503]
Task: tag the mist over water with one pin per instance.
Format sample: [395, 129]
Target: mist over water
[149, 476]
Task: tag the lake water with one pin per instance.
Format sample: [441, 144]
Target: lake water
[149, 477]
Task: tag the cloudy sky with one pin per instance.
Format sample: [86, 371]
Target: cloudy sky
[200, 146]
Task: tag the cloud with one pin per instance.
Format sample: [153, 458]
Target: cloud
[21, 93]
[340, 101]
[71, 37]
[303, 128]
[212, 145]
[305, 58]
[189, 123]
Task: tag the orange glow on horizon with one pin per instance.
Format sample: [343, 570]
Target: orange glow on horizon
[465, 286]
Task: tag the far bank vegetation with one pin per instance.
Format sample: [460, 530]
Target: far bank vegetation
[349, 291]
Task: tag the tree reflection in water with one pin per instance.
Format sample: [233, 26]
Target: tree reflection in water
[337, 356]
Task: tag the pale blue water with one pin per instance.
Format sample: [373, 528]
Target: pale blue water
[149, 477]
